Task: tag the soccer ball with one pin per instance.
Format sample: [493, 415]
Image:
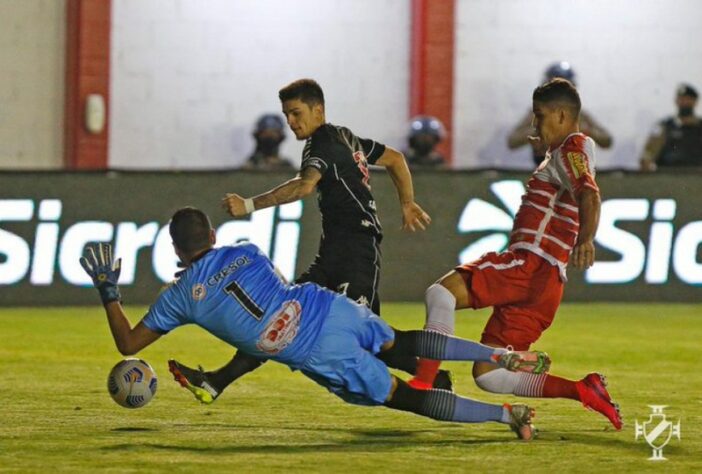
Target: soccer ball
[132, 383]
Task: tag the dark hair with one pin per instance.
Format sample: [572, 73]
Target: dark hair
[306, 90]
[559, 90]
[190, 229]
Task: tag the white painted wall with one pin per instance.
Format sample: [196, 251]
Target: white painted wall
[628, 55]
[32, 57]
[190, 77]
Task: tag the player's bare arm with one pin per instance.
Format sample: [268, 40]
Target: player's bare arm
[128, 340]
[413, 216]
[583, 255]
[292, 190]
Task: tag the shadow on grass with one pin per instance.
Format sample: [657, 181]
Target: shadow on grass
[608, 438]
[366, 440]
[133, 429]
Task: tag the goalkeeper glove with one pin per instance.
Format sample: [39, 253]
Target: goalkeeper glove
[97, 262]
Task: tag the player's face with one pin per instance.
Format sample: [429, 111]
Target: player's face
[548, 122]
[302, 118]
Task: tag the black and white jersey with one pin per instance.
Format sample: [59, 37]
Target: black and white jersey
[344, 192]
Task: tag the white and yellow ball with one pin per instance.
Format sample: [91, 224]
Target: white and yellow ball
[132, 383]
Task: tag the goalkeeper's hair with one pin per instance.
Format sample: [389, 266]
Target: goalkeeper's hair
[306, 90]
[560, 91]
[190, 229]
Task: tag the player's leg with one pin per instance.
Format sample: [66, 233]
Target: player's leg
[473, 285]
[343, 362]
[447, 406]
[207, 386]
[436, 346]
[441, 300]
[521, 325]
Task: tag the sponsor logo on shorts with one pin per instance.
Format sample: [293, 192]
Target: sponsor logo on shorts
[282, 328]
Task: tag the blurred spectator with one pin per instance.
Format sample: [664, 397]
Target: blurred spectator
[524, 129]
[269, 134]
[676, 141]
[425, 133]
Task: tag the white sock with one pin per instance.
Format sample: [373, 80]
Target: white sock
[441, 309]
[517, 383]
[498, 381]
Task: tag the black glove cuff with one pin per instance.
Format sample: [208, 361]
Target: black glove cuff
[109, 293]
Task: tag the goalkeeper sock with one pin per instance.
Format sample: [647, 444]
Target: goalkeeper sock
[444, 405]
[432, 345]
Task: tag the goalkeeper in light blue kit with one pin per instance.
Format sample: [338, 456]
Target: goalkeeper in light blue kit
[235, 293]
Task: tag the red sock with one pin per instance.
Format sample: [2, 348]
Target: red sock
[426, 371]
[557, 387]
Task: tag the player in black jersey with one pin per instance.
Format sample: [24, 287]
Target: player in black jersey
[335, 163]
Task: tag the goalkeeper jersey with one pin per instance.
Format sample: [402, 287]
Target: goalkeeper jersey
[547, 222]
[234, 293]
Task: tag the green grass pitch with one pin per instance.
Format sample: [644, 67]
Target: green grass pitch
[56, 413]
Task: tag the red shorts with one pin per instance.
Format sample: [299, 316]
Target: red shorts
[524, 289]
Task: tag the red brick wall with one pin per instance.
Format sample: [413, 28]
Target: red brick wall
[431, 79]
[87, 72]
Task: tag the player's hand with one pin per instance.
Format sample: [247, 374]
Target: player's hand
[234, 205]
[414, 217]
[98, 263]
[583, 255]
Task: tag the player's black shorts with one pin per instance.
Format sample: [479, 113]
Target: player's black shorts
[348, 264]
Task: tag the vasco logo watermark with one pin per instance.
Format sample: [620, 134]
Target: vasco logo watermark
[657, 431]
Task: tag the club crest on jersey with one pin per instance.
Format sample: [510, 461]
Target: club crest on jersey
[199, 291]
[362, 163]
[282, 328]
[578, 163]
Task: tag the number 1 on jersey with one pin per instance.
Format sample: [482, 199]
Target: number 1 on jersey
[237, 292]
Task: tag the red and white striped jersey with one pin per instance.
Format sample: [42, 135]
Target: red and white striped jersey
[547, 221]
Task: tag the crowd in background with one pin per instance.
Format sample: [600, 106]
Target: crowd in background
[676, 141]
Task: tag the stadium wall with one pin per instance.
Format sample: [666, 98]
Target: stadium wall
[189, 82]
[32, 52]
[649, 242]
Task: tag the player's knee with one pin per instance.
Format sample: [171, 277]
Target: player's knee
[497, 381]
[454, 284]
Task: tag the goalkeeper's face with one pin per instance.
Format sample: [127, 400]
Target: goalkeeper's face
[303, 119]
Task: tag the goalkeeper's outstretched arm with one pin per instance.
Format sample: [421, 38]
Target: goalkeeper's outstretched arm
[128, 340]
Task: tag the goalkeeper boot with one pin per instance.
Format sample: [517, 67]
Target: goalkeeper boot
[592, 390]
[535, 362]
[194, 380]
[520, 421]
